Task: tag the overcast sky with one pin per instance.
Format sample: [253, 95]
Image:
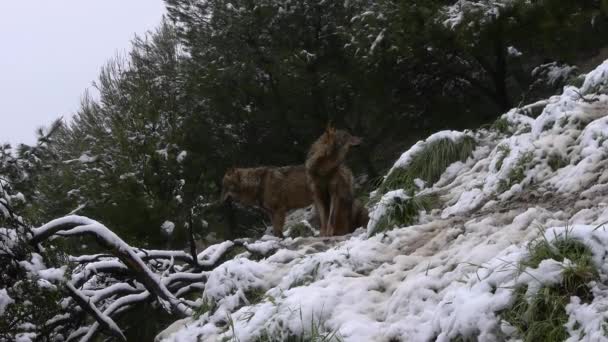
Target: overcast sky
[52, 50]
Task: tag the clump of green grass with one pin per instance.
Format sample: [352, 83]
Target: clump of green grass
[318, 333]
[428, 164]
[206, 306]
[404, 212]
[504, 151]
[542, 317]
[556, 161]
[576, 80]
[255, 295]
[517, 173]
[501, 125]
[306, 278]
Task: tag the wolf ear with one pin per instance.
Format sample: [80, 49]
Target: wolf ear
[330, 128]
[230, 171]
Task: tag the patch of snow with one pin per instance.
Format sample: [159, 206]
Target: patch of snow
[182, 156]
[5, 301]
[512, 50]
[167, 227]
[263, 247]
[85, 158]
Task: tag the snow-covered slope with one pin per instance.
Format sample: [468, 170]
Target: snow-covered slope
[450, 275]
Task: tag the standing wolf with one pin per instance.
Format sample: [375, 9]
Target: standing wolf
[331, 183]
[274, 189]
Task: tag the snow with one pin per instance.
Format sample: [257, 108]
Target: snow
[167, 227]
[554, 73]
[210, 255]
[8, 239]
[377, 41]
[407, 157]
[381, 208]
[263, 247]
[36, 267]
[78, 225]
[5, 301]
[485, 9]
[85, 158]
[512, 50]
[597, 80]
[182, 156]
[450, 274]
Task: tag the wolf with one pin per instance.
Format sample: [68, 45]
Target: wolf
[331, 183]
[275, 190]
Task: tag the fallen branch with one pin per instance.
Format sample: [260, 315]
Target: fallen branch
[78, 226]
[103, 320]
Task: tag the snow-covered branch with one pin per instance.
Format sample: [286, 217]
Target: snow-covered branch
[106, 322]
[78, 226]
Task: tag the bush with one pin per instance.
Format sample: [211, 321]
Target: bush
[404, 212]
[429, 164]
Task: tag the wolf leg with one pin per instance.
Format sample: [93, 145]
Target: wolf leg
[321, 211]
[278, 220]
[334, 211]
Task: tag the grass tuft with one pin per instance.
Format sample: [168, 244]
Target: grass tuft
[318, 333]
[542, 317]
[404, 212]
[429, 164]
[255, 295]
[557, 161]
[501, 125]
[517, 173]
[207, 306]
[504, 152]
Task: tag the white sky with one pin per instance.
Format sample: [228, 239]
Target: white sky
[52, 50]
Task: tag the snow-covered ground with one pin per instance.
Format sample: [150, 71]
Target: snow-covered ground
[451, 274]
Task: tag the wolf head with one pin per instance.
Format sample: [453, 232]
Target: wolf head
[231, 185]
[329, 151]
[338, 142]
[344, 139]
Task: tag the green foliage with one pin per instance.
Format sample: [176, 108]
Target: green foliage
[404, 212]
[34, 306]
[556, 161]
[517, 173]
[502, 125]
[542, 317]
[306, 278]
[428, 164]
[255, 295]
[206, 306]
[504, 151]
[317, 333]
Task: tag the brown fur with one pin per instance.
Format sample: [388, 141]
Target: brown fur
[360, 215]
[331, 183]
[274, 189]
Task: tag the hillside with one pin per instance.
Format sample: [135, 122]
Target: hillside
[507, 244]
